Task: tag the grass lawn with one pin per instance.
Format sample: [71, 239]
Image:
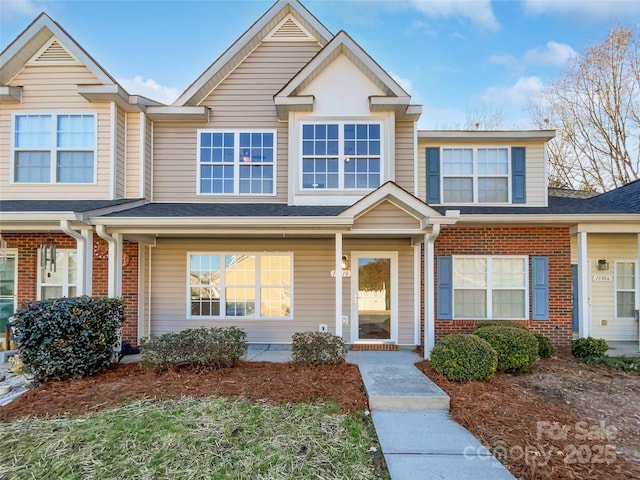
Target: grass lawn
[212, 438]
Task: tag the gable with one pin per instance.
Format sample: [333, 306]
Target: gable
[290, 30]
[53, 53]
[386, 216]
[44, 42]
[341, 88]
[286, 20]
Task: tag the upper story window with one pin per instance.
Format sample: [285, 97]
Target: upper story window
[54, 148]
[475, 175]
[341, 155]
[236, 162]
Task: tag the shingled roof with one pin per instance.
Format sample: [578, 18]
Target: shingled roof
[228, 210]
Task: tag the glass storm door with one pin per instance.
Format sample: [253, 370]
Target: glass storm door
[8, 291]
[375, 290]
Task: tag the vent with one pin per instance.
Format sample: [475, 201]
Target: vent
[53, 53]
[289, 30]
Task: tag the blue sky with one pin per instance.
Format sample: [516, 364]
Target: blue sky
[454, 57]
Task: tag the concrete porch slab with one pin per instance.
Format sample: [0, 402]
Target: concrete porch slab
[401, 387]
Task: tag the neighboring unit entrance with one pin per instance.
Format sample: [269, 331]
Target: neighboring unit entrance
[8, 291]
[374, 288]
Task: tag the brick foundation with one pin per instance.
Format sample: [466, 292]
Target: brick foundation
[27, 245]
[553, 242]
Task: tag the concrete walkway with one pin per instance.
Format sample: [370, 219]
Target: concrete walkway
[410, 414]
[418, 438]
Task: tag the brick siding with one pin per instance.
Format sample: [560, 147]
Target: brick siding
[27, 245]
[553, 242]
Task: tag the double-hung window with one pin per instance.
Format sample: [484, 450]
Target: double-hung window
[54, 148]
[224, 285]
[626, 285]
[490, 287]
[61, 281]
[236, 162]
[341, 155]
[475, 175]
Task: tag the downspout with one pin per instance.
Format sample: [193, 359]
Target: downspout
[83, 258]
[429, 290]
[115, 260]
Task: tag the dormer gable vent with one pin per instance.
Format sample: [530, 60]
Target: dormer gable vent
[53, 53]
[289, 30]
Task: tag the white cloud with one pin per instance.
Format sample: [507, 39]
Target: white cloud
[150, 89]
[517, 95]
[478, 11]
[596, 9]
[19, 8]
[553, 54]
[403, 82]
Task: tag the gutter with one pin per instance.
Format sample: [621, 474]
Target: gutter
[84, 257]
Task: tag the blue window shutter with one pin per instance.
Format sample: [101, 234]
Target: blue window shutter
[433, 175]
[445, 288]
[540, 288]
[518, 180]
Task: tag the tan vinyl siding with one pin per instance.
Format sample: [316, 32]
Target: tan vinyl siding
[53, 89]
[243, 100]
[405, 155]
[386, 216]
[535, 165]
[313, 291]
[121, 153]
[132, 188]
[612, 247]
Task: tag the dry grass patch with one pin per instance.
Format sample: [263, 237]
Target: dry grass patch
[193, 439]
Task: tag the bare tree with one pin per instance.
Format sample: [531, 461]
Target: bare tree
[595, 108]
[484, 118]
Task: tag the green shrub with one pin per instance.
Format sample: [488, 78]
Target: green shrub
[66, 338]
[463, 357]
[545, 347]
[212, 348]
[589, 347]
[517, 348]
[315, 348]
[499, 323]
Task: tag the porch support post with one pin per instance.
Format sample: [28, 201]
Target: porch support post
[429, 290]
[584, 320]
[115, 260]
[338, 262]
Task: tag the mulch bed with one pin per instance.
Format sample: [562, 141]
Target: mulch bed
[256, 381]
[538, 436]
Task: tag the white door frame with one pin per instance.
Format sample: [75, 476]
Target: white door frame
[13, 252]
[393, 256]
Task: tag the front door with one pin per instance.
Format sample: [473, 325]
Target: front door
[374, 285]
[8, 291]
